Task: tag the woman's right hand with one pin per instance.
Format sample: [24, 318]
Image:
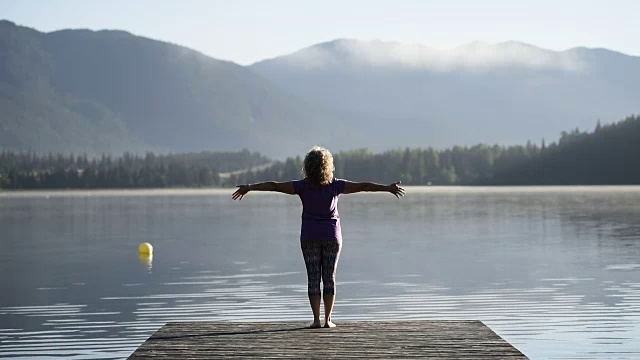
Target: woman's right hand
[241, 192]
[396, 189]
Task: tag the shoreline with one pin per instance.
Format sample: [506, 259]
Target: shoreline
[421, 188]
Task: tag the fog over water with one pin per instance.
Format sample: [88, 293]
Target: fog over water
[553, 270]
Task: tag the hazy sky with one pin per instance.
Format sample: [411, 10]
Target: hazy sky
[247, 31]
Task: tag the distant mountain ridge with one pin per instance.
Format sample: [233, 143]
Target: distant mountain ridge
[111, 91]
[504, 93]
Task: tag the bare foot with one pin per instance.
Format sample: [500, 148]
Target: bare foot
[315, 325]
[329, 324]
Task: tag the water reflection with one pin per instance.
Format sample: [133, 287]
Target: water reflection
[147, 261]
[540, 321]
[553, 271]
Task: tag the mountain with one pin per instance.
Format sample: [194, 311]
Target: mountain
[111, 91]
[492, 93]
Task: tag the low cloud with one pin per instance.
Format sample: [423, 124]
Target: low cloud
[478, 56]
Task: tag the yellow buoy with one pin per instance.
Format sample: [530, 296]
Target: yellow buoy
[145, 249]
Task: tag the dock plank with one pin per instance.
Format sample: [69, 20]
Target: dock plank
[435, 339]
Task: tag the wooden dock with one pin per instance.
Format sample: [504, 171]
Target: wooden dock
[448, 339]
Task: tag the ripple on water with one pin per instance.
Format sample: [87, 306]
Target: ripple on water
[549, 315]
[543, 317]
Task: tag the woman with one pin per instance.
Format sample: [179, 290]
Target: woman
[320, 235]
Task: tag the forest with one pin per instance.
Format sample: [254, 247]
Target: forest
[608, 155]
[28, 170]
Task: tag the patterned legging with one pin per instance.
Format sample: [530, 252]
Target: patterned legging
[321, 259]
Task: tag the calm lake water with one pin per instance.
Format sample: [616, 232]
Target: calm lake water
[554, 271]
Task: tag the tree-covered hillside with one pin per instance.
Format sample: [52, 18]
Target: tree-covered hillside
[33, 171]
[111, 91]
[608, 155]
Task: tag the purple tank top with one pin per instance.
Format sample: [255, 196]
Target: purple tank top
[320, 218]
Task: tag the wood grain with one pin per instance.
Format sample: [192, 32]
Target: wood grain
[439, 339]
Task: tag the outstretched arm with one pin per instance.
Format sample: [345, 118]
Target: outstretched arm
[354, 187]
[283, 187]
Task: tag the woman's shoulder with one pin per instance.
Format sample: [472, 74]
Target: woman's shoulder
[298, 185]
[338, 185]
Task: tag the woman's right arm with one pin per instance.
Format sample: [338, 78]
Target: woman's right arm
[355, 187]
[283, 187]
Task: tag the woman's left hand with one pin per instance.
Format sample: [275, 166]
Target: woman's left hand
[396, 189]
[241, 192]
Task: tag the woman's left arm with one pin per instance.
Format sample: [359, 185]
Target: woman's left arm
[285, 187]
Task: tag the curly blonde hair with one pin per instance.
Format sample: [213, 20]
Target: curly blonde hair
[318, 166]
